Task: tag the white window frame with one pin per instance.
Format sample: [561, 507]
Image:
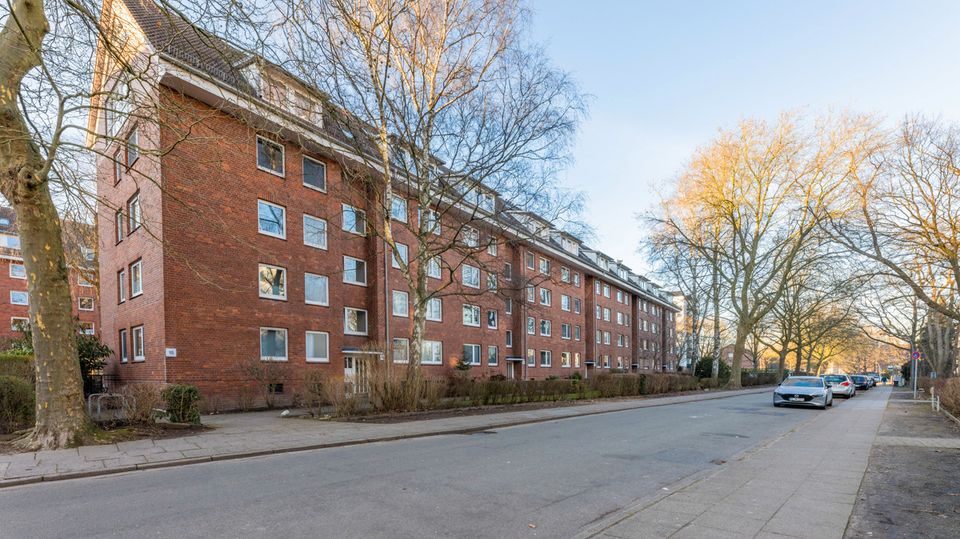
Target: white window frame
[357, 283]
[356, 212]
[366, 320]
[546, 296]
[26, 295]
[80, 304]
[439, 303]
[306, 340]
[565, 331]
[549, 358]
[83, 282]
[405, 344]
[544, 266]
[123, 351]
[267, 295]
[530, 260]
[286, 344]
[122, 286]
[137, 269]
[404, 251]
[496, 355]
[474, 357]
[463, 276]
[496, 319]
[434, 268]
[393, 206]
[548, 327]
[492, 247]
[531, 325]
[18, 264]
[564, 302]
[509, 339]
[325, 231]
[283, 157]
[303, 176]
[394, 304]
[325, 302]
[283, 220]
[472, 308]
[23, 320]
[492, 281]
[471, 237]
[435, 346]
[134, 331]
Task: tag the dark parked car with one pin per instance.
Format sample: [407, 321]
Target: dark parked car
[862, 382]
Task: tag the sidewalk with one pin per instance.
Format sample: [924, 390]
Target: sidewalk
[803, 484]
[260, 433]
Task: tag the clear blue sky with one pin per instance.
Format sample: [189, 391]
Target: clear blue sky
[666, 75]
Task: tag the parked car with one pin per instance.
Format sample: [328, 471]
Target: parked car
[861, 381]
[877, 378]
[841, 384]
[803, 391]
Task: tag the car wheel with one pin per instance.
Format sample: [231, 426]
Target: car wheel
[830, 402]
[776, 405]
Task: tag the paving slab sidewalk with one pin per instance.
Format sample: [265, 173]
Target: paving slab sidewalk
[802, 484]
[260, 433]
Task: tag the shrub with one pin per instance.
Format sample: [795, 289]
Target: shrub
[754, 378]
[335, 393]
[142, 403]
[17, 365]
[498, 377]
[182, 403]
[388, 388]
[704, 369]
[949, 391]
[17, 403]
[267, 376]
[576, 376]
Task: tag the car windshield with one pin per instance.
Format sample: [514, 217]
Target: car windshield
[835, 378]
[859, 378]
[802, 382]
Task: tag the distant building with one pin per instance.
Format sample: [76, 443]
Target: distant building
[746, 360]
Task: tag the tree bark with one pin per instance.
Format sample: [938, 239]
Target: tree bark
[60, 416]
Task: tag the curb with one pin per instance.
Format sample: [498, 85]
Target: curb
[642, 403]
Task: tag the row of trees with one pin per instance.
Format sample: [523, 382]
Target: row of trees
[822, 241]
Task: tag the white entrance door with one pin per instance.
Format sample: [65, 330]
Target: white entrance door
[355, 374]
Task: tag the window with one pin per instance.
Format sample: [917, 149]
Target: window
[546, 328]
[619, 296]
[434, 310]
[620, 340]
[19, 323]
[433, 267]
[531, 325]
[273, 344]
[544, 265]
[619, 319]
[565, 331]
[546, 358]
[271, 219]
[318, 347]
[432, 353]
[19, 298]
[529, 259]
[576, 305]
[545, 296]
[492, 355]
[118, 221]
[576, 333]
[404, 256]
[492, 247]
[354, 321]
[471, 276]
[133, 147]
[138, 347]
[565, 302]
[471, 237]
[599, 337]
[82, 281]
[117, 167]
[316, 289]
[400, 303]
[576, 279]
[565, 275]
[121, 286]
[508, 305]
[7, 240]
[354, 220]
[565, 359]
[314, 174]
[471, 354]
[606, 337]
[599, 312]
[431, 221]
[401, 350]
[134, 217]
[314, 232]
[492, 281]
[509, 339]
[398, 209]
[270, 156]
[606, 314]
[122, 345]
[606, 291]
[596, 287]
[576, 360]
[354, 271]
[273, 282]
[85, 304]
[18, 271]
[531, 357]
[531, 294]
[507, 271]
[471, 315]
[492, 319]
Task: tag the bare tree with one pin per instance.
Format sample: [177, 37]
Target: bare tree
[447, 106]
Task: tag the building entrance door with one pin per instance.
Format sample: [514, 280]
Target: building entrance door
[355, 374]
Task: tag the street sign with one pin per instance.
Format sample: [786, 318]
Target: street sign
[916, 354]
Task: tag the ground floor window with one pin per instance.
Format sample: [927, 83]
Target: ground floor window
[432, 353]
[138, 348]
[546, 358]
[471, 354]
[492, 355]
[318, 347]
[273, 344]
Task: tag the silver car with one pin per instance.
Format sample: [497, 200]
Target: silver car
[841, 384]
[803, 391]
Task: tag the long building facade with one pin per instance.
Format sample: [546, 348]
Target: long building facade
[231, 238]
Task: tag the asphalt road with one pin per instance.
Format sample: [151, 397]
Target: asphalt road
[540, 480]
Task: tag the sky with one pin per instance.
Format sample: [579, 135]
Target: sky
[664, 77]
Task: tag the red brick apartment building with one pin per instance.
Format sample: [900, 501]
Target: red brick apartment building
[14, 303]
[224, 244]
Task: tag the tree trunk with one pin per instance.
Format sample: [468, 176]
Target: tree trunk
[781, 362]
[738, 349]
[60, 416]
[715, 285]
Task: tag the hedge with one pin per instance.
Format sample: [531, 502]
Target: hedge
[17, 403]
[17, 365]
